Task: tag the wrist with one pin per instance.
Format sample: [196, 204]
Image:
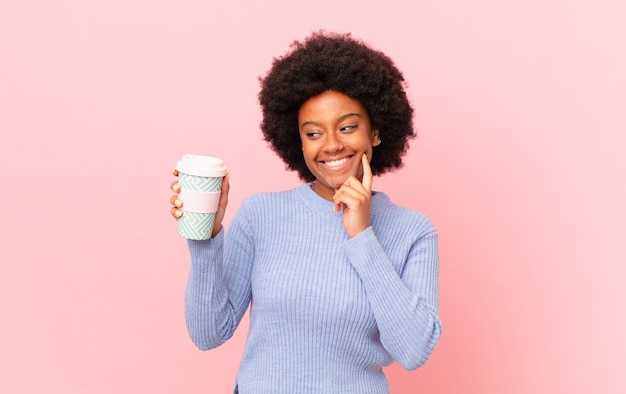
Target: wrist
[357, 231]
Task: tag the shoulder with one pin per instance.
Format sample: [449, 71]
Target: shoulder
[386, 213]
[271, 198]
[266, 211]
[268, 203]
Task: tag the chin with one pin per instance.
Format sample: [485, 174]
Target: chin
[330, 183]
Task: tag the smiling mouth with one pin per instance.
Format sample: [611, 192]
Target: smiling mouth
[336, 163]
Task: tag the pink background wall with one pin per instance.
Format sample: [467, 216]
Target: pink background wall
[520, 164]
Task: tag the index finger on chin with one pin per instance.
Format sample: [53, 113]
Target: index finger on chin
[367, 173]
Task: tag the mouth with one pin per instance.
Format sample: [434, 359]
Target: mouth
[336, 163]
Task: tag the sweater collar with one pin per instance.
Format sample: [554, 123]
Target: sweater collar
[318, 204]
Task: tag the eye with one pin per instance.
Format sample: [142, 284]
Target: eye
[348, 128]
[312, 134]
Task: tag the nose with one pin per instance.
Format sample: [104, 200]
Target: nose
[332, 144]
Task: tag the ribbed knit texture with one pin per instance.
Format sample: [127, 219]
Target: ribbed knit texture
[327, 312]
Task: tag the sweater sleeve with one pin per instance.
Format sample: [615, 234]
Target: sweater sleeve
[218, 288]
[405, 305]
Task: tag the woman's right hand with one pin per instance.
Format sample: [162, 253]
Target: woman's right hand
[177, 203]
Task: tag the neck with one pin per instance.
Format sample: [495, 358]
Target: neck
[325, 192]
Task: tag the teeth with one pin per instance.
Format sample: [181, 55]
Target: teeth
[336, 163]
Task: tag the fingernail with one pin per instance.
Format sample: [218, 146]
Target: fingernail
[336, 208]
[178, 213]
[176, 188]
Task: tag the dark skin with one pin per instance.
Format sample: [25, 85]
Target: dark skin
[353, 196]
[337, 138]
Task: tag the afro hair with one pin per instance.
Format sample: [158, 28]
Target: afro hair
[332, 61]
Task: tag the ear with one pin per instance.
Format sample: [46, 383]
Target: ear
[375, 137]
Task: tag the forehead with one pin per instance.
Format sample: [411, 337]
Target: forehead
[330, 105]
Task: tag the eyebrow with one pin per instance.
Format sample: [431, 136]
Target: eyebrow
[342, 117]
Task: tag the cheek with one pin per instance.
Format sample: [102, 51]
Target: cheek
[308, 153]
[366, 147]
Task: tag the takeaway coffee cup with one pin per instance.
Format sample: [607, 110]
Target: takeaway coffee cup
[200, 179]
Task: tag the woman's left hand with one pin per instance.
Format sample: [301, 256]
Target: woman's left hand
[355, 199]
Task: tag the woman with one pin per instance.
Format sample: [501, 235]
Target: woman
[340, 281]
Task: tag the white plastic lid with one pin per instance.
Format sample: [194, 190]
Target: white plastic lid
[199, 165]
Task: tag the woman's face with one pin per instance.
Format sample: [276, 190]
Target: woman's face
[335, 131]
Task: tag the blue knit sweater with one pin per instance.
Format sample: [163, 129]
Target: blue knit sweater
[327, 312]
